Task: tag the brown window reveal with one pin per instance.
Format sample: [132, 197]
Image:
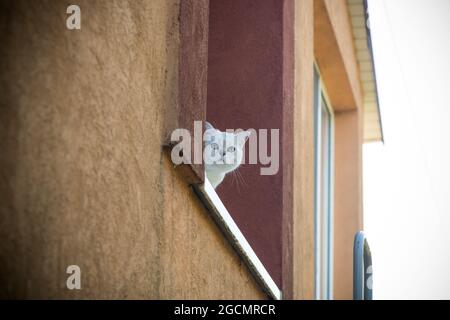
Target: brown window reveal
[193, 63]
[250, 84]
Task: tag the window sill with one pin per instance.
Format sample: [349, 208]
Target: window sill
[226, 223]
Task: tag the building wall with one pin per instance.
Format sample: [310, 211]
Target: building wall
[348, 218]
[335, 54]
[83, 177]
[323, 34]
[303, 182]
[348, 208]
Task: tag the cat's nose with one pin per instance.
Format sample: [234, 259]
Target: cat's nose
[224, 153]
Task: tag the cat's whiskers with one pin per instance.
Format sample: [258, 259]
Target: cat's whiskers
[241, 178]
[236, 180]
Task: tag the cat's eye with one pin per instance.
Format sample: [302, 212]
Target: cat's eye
[214, 146]
[231, 149]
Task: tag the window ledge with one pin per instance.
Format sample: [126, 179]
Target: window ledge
[226, 223]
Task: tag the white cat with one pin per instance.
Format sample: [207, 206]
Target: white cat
[223, 153]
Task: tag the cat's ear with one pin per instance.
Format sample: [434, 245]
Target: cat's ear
[210, 132]
[243, 136]
[208, 125]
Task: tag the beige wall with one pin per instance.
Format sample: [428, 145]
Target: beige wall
[348, 218]
[339, 16]
[83, 178]
[348, 211]
[337, 61]
[323, 33]
[303, 230]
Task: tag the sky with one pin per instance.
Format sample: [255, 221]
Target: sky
[407, 179]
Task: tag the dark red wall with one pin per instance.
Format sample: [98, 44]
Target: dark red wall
[245, 90]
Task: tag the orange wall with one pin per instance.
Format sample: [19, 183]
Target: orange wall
[303, 188]
[335, 56]
[348, 214]
[348, 217]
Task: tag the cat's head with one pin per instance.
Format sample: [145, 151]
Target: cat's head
[223, 151]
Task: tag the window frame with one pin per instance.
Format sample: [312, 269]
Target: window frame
[266, 95]
[321, 101]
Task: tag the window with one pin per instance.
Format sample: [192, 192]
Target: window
[323, 192]
[248, 82]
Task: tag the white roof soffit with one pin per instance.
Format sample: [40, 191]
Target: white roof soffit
[373, 130]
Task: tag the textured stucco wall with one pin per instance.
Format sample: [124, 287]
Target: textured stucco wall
[335, 56]
[324, 35]
[348, 198]
[83, 177]
[303, 171]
